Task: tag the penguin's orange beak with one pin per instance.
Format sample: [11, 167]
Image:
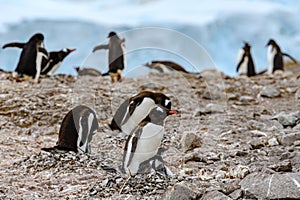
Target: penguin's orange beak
[172, 112]
[71, 50]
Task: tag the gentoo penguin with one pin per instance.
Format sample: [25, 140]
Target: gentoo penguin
[50, 65]
[245, 61]
[145, 140]
[87, 71]
[165, 66]
[29, 59]
[275, 57]
[133, 110]
[116, 56]
[76, 130]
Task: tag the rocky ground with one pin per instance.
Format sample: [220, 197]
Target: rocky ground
[236, 138]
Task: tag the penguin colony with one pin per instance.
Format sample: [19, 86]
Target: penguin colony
[141, 117]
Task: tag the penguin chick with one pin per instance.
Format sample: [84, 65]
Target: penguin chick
[245, 61]
[76, 130]
[133, 110]
[144, 141]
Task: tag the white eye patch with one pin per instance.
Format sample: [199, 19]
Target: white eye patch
[167, 102]
[159, 109]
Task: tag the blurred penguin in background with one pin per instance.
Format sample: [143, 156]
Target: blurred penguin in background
[275, 57]
[116, 56]
[245, 61]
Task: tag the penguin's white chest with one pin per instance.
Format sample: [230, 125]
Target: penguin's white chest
[147, 147]
[139, 113]
[271, 56]
[54, 68]
[243, 69]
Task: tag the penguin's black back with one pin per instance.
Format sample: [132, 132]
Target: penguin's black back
[27, 61]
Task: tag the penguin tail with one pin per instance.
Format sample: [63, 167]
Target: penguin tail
[290, 57]
[262, 72]
[105, 74]
[109, 169]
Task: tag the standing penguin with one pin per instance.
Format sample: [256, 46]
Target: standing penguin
[116, 56]
[76, 130]
[245, 61]
[50, 65]
[133, 110]
[145, 140]
[275, 57]
[30, 59]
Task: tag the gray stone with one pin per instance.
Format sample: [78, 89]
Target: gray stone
[297, 94]
[283, 166]
[216, 195]
[289, 139]
[212, 94]
[180, 192]
[273, 142]
[237, 194]
[269, 91]
[190, 140]
[288, 119]
[271, 186]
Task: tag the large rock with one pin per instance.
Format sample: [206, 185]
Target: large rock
[215, 195]
[271, 186]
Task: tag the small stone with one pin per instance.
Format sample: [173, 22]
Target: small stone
[297, 94]
[269, 91]
[257, 143]
[239, 171]
[289, 139]
[180, 192]
[273, 142]
[288, 119]
[284, 166]
[190, 140]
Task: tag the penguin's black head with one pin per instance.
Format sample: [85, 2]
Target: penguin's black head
[271, 42]
[247, 46]
[38, 39]
[77, 68]
[158, 114]
[111, 34]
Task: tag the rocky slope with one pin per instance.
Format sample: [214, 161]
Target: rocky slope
[236, 138]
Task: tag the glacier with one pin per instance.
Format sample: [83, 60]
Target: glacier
[196, 34]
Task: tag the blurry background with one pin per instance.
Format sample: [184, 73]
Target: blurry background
[211, 32]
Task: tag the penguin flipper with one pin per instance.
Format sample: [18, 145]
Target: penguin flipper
[262, 72]
[239, 64]
[290, 57]
[14, 44]
[105, 74]
[101, 46]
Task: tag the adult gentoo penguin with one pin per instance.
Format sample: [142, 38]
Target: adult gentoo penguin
[116, 56]
[133, 110]
[165, 66]
[76, 130]
[275, 57]
[50, 65]
[245, 61]
[29, 59]
[145, 140]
